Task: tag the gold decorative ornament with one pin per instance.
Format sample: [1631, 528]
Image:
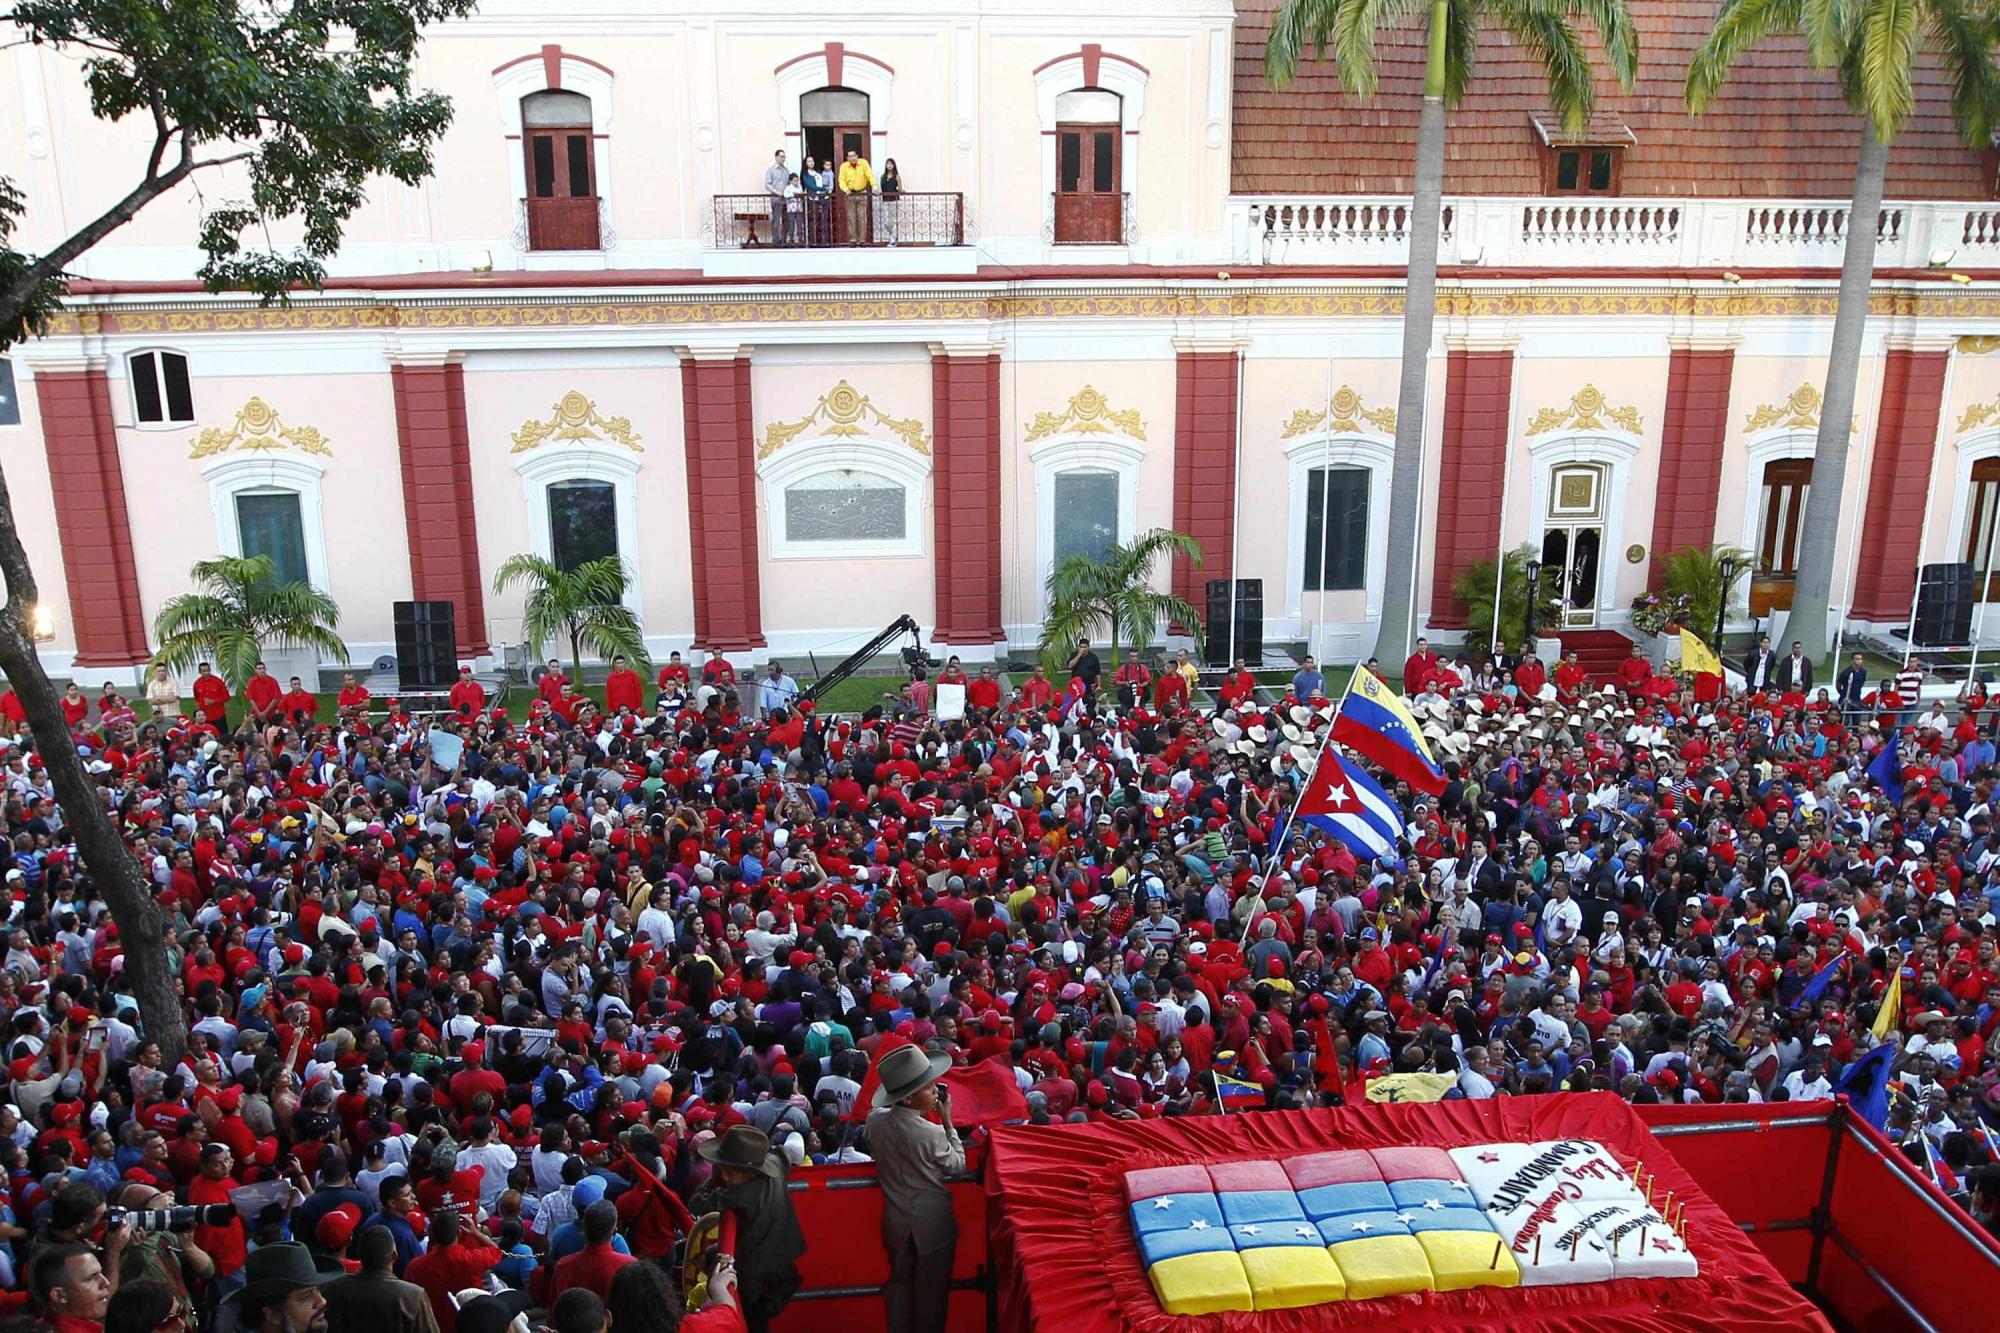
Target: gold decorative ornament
[1634, 553]
[1087, 410]
[1587, 410]
[257, 429]
[1978, 344]
[843, 410]
[576, 418]
[1343, 414]
[1979, 414]
[1800, 411]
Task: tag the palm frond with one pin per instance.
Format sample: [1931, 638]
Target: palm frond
[525, 568]
[1964, 36]
[1620, 37]
[1355, 25]
[613, 631]
[1150, 545]
[188, 626]
[1888, 37]
[1296, 25]
[1544, 29]
[1740, 25]
[237, 652]
[1461, 51]
[1828, 27]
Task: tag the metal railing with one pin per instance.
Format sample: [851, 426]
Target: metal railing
[560, 224]
[757, 221]
[1563, 231]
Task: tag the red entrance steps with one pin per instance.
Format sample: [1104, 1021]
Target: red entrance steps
[1599, 651]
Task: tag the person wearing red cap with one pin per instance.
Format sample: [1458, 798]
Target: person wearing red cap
[458, 1255]
[334, 1230]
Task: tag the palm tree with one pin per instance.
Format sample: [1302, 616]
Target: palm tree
[584, 604]
[237, 607]
[1695, 572]
[1871, 46]
[1115, 593]
[1545, 30]
[1475, 588]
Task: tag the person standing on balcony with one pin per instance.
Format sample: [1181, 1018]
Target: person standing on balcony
[891, 186]
[857, 181]
[776, 177]
[818, 186]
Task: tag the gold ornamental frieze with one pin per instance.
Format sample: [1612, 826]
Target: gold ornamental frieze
[257, 429]
[844, 411]
[574, 420]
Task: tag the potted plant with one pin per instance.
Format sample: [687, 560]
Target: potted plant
[1475, 586]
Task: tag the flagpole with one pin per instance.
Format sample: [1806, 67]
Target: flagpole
[1285, 832]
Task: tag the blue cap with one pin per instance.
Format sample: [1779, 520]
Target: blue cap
[587, 1191]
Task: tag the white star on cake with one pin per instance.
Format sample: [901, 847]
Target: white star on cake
[1199, 1224]
[1362, 1226]
[1162, 1202]
[1433, 1204]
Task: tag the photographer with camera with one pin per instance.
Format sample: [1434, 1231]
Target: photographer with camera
[79, 1216]
[160, 1246]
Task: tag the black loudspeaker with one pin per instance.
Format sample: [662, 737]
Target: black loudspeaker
[1249, 622]
[426, 646]
[1946, 595]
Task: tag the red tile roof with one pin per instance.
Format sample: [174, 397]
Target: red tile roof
[1780, 130]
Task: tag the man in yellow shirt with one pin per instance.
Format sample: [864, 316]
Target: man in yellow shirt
[855, 180]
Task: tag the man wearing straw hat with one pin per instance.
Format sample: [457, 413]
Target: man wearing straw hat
[913, 1156]
[749, 1181]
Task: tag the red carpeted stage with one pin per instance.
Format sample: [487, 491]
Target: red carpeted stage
[1802, 1216]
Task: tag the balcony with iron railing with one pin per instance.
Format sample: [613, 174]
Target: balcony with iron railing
[840, 221]
[1598, 232]
[1088, 219]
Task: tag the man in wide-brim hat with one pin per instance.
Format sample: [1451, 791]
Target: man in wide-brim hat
[281, 1290]
[749, 1181]
[913, 1157]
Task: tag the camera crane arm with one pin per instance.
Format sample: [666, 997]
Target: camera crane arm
[849, 665]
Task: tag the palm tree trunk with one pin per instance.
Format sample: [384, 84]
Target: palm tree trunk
[1819, 531]
[1399, 590]
[113, 871]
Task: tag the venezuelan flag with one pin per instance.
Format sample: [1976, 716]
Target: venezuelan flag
[1229, 1089]
[1372, 721]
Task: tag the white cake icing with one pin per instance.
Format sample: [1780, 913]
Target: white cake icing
[1575, 1198]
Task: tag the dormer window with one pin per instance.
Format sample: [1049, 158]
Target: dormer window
[1587, 162]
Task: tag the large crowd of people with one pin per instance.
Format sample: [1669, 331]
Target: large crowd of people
[484, 1011]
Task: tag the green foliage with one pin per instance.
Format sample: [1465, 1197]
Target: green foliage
[313, 97]
[585, 606]
[237, 608]
[1546, 31]
[1695, 573]
[1474, 586]
[1871, 46]
[1115, 597]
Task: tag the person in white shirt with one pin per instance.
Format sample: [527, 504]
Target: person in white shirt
[1809, 1081]
[1610, 941]
[1562, 918]
[1472, 1079]
[495, 1160]
[656, 920]
[763, 941]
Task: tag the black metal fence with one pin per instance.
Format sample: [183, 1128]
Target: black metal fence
[755, 221]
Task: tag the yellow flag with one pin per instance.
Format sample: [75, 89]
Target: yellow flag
[1410, 1087]
[1891, 1012]
[1697, 656]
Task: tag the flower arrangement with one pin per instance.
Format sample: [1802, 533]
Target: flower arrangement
[1654, 613]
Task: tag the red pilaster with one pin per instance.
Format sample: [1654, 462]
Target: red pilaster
[722, 501]
[88, 486]
[1691, 435]
[1205, 467]
[437, 496]
[1892, 524]
[1471, 471]
[965, 472]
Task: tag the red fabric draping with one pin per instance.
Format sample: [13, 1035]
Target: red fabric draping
[984, 1094]
[1064, 1257]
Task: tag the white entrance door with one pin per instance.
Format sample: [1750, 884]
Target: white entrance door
[1573, 540]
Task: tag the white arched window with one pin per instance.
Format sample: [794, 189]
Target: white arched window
[1580, 480]
[1337, 520]
[1082, 101]
[582, 502]
[844, 498]
[270, 505]
[162, 392]
[1086, 496]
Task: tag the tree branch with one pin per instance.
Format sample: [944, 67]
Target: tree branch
[52, 264]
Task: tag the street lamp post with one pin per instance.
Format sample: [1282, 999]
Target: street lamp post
[1534, 592]
[1727, 567]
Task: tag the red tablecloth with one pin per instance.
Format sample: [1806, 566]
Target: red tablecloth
[1066, 1263]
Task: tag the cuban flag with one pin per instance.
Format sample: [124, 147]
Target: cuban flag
[1372, 721]
[1345, 802]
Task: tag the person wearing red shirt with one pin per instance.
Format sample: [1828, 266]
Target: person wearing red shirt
[299, 704]
[1569, 676]
[75, 708]
[263, 693]
[352, 701]
[1530, 675]
[675, 669]
[983, 692]
[1418, 668]
[459, 1256]
[592, 1267]
[225, 1244]
[1037, 691]
[1635, 673]
[716, 675]
[12, 710]
[1237, 686]
[211, 695]
[550, 685]
[468, 696]
[1170, 692]
[623, 688]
